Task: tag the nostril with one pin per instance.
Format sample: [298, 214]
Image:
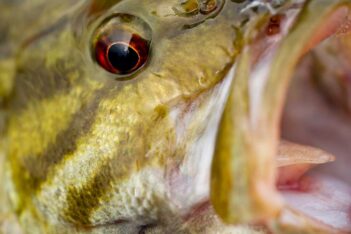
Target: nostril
[273, 27]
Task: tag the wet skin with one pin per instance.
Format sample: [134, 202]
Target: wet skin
[87, 148]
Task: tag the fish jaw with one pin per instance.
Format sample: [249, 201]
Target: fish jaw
[244, 168]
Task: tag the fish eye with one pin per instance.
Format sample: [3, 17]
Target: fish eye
[121, 44]
[121, 55]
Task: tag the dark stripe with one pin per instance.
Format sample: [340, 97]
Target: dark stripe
[35, 80]
[82, 201]
[30, 172]
[66, 141]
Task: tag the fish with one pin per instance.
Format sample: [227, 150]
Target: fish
[175, 116]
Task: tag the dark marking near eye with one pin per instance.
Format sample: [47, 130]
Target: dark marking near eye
[35, 82]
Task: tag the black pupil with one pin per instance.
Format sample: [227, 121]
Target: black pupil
[122, 57]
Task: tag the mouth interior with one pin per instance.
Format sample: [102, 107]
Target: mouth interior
[317, 116]
[315, 197]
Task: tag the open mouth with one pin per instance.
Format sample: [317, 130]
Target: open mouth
[286, 129]
[314, 179]
[298, 101]
[316, 183]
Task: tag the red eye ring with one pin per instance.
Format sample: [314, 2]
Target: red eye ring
[121, 44]
[121, 52]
